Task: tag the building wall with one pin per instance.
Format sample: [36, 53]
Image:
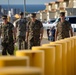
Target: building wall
[44, 16]
[38, 15]
[69, 7]
[50, 7]
[74, 4]
[71, 11]
[56, 5]
[57, 13]
[61, 4]
[53, 6]
[47, 7]
[52, 15]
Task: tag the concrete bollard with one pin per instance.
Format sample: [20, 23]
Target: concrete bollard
[36, 58]
[6, 61]
[58, 57]
[20, 71]
[49, 59]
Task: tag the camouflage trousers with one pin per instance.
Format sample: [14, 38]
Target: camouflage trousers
[33, 42]
[8, 48]
[22, 44]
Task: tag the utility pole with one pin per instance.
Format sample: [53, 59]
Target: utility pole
[8, 5]
[24, 7]
[72, 6]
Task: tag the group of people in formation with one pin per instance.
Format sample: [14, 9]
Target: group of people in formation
[29, 33]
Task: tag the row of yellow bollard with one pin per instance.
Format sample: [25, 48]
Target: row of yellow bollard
[59, 57]
[16, 65]
[55, 58]
[36, 58]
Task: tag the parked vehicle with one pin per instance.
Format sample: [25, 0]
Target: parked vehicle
[49, 21]
[71, 19]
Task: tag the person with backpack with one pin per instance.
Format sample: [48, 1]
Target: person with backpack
[20, 26]
[8, 36]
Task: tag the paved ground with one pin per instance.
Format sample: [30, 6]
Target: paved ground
[44, 41]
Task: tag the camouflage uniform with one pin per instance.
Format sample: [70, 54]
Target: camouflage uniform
[63, 30]
[34, 33]
[21, 30]
[7, 38]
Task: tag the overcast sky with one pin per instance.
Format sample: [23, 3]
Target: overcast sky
[27, 1]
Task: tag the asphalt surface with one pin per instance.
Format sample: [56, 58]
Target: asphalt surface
[45, 41]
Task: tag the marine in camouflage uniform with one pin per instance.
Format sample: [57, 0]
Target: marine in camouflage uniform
[63, 28]
[35, 32]
[6, 31]
[21, 31]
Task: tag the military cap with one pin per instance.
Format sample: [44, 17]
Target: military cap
[33, 14]
[4, 16]
[62, 13]
[21, 13]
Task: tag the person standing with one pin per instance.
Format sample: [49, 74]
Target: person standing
[20, 26]
[48, 34]
[63, 28]
[8, 36]
[34, 32]
[52, 34]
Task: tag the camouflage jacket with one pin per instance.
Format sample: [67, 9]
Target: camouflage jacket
[21, 27]
[7, 32]
[34, 29]
[63, 29]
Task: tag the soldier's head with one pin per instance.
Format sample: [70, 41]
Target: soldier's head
[21, 14]
[33, 16]
[4, 17]
[62, 15]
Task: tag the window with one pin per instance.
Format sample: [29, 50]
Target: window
[72, 19]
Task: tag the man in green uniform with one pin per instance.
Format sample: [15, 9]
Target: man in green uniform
[34, 32]
[20, 26]
[8, 36]
[63, 28]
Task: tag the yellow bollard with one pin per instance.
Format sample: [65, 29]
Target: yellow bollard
[49, 59]
[52, 42]
[20, 71]
[72, 55]
[36, 58]
[69, 64]
[74, 38]
[6, 61]
[64, 56]
[58, 57]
